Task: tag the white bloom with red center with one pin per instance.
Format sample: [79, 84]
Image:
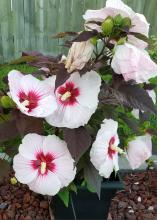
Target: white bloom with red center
[133, 63]
[32, 96]
[44, 164]
[79, 54]
[113, 8]
[77, 100]
[139, 150]
[104, 151]
[152, 94]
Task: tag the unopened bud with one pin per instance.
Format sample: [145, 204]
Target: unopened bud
[7, 102]
[118, 20]
[126, 22]
[121, 41]
[107, 26]
[93, 40]
[13, 180]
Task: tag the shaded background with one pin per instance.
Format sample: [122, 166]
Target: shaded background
[29, 24]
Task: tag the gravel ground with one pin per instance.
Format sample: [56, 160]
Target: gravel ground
[139, 199]
[17, 202]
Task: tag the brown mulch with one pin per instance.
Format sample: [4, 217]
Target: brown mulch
[17, 202]
[139, 199]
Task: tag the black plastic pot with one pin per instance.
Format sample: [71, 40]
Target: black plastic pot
[86, 204]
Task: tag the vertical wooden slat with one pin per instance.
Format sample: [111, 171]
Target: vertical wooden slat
[29, 24]
[18, 26]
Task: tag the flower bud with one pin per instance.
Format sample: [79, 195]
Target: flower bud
[7, 102]
[126, 22]
[118, 20]
[107, 26]
[121, 41]
[93, 40]
[13, 181]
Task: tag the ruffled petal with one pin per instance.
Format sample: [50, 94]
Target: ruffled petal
[48, 184]
[24, 171]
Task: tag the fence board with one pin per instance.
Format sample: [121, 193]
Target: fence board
[30, 24]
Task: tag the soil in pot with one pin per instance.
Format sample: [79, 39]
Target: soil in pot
[139, 199]
[17, 202]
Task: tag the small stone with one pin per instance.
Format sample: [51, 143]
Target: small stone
[44, 204]
[151, 208]
[139, 199]
[3, 205]
[131, 211]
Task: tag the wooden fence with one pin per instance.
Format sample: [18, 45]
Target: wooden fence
[29, 24]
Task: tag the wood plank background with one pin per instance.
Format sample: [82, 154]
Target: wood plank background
[29, 24]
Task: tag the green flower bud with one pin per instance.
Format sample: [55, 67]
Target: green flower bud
[121, 41]
[107, 26]
[7, 102]
[126, 22]
[118, 20]
[93, 40]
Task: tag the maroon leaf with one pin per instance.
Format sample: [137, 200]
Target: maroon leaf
[141, 37]
[26, 124]
[92, 177]
[5, 167]
[78, 141]
[61, 76]
[85, 35]
[8, 131]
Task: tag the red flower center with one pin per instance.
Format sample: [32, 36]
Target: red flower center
[43, 163]
[68, 93]
[29, 100]
[111, 151]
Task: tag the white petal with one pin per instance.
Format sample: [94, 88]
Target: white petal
[24, 171]
[106, 168]
[118, 4]
[89, 97]
[139, 150]
[47, 184]
[54, 145]
[70, 116]
[31, 145]
[64, 169]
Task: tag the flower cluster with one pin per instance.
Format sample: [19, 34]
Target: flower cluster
[113, 43]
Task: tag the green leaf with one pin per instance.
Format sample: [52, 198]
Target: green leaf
[64, 196]
[72, 187]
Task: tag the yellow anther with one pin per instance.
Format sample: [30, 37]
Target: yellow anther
[118, 149]
[25, 103]
[43, 167]
[65, 96]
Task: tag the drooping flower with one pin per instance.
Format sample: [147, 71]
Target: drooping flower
[133, 63]
[31, 95]
[79, 54]
[139, 150]
[104, 151]
[77, 100]
[152, 94]
[114, 8]
[44, 164]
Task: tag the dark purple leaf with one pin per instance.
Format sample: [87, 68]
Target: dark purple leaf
[8, 131]
[140, 36]
[78, 141]
[93, 178]
[5, 167]
[85, 35]
[65, 34]
[61, 76]
[26, 124]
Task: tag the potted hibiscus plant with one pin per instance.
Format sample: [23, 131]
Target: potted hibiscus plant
[79, 114]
